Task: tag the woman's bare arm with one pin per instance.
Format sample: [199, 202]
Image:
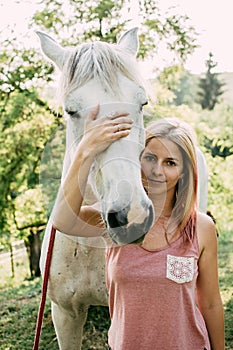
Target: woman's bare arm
[208, 292]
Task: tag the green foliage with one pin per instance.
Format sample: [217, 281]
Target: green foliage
[220, 191]
[51, 166]
[215, 136]
[173, 30]
[26, 125]
[170, 76]
[181, 84]
[166, 110]
[78, 20]
[218, 126]
[210, 87]
[186, 89]
[20, 70]
[29, 209]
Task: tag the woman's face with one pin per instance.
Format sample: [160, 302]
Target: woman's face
[162, 166]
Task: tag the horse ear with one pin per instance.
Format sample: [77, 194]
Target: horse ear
[129, 41]
[52, 49]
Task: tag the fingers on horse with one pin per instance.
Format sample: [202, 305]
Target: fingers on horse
[122, 127]
[113, 123]
[122, 123]
[120, 130]
[122, 120]
[117, 115]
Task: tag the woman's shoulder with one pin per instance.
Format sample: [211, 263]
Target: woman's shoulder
[205, 221]
[206, 230]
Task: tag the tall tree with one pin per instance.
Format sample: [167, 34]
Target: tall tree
[210, 87]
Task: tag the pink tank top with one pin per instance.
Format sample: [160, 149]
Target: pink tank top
[152, 298]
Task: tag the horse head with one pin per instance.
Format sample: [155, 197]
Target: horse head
[107, 74]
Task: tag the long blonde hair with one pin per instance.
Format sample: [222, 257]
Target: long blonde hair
[179, 132]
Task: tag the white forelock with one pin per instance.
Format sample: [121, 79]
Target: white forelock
[101, 61]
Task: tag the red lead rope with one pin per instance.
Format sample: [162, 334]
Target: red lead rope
[44, 290]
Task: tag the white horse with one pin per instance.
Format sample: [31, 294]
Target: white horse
[91, 74]
[105, 74]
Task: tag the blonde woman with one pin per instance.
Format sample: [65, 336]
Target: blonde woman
[163, 292]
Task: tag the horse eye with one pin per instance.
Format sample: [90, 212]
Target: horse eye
[72, 114]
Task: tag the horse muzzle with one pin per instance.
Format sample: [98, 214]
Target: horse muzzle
[122, 231]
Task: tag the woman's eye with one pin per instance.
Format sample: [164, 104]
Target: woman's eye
[149, 158]
[171, 163]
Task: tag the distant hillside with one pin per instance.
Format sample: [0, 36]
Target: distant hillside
[227, 77]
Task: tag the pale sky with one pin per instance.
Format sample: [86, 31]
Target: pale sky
[212, 19]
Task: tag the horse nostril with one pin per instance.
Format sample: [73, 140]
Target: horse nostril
[117, 219]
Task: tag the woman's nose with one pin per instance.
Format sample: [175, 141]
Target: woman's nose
[157, 168]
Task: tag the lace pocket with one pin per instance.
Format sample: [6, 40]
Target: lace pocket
[180, 269]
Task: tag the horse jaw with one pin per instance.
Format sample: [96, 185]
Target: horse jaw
[58, 54]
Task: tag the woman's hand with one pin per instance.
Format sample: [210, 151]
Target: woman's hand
[100, 133]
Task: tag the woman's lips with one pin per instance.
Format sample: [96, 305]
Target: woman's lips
[157, 181]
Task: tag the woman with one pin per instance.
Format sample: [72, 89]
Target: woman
[154, 287]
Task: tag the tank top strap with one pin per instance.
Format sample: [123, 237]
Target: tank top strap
[190, 248]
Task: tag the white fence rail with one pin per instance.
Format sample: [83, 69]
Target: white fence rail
[19, 249]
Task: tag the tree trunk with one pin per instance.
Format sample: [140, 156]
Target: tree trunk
[33, 245]
[12, 261]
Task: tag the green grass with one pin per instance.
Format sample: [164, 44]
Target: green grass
[20, 298]
[226, 284]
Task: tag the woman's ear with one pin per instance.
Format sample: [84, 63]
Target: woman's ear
[144, 181]
[180, 181]
[181, 177]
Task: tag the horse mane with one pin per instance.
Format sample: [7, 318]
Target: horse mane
[101, 61]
